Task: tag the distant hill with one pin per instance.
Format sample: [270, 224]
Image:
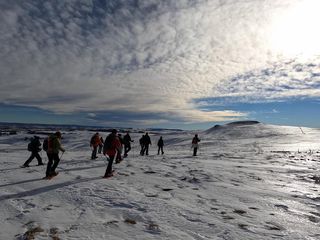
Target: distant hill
[248, 129]
[237, 123]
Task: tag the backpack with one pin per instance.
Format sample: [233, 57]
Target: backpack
[108, 143]
[45, 144]
[34, 144]
[30, 147]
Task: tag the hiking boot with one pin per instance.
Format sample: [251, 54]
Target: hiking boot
[24, 166]
[108, 175]
[53, 174]
[40, 164]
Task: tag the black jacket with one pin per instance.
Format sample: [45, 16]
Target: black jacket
[127, 139]
[160, 142]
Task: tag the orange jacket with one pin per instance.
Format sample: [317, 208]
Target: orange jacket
[96, 141]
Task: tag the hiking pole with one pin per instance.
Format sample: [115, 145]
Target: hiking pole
[302, 130]
[61, 156]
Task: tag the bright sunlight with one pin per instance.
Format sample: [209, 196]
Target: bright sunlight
[296, 32]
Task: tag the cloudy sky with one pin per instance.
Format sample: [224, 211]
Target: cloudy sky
[160, 63]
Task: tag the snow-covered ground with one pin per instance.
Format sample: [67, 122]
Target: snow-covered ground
[248, 182]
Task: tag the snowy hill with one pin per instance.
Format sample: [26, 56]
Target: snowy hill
[250, 181]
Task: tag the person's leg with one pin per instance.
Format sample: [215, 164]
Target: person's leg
[128, 148]
[147, 149]
[118, 157]
[195, 151]
[100, 149]
[49, 165]
[94, 153]
[38, 158]
[109, 167]
[143, 148]
[162, 152]
[125, 151]
[32, 156]
[56, 161]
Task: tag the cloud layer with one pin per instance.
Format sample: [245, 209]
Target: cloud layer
[146, 56]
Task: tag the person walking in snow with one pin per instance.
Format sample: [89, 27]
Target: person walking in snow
[94, 143]
[54, 146]
[111, 146]
[127, 144]
[195, 144]
[141, 142]
[34, 147]
[146, 142]
[160, 146]
[100, 145]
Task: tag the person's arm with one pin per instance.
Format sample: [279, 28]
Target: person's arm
[60, 146]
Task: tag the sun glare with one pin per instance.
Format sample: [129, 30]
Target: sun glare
[296, 32]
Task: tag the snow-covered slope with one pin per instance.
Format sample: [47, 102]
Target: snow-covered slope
[251, 181]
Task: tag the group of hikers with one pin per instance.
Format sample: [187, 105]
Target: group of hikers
[112, 147]
[52, 146]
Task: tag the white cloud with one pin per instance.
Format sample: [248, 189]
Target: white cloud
[69, 56]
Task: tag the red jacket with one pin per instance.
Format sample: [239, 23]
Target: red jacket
[115, 146]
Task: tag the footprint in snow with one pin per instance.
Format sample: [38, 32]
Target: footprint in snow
[167, 189]
[239, 211]
[153, 228]
[243, 226]
[50, 207]
[313, 219]
[149, 172]
[254, 208]
[274, 226]
[284, 207]
[226, 217]
[111, 223]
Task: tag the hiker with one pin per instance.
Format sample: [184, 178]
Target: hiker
[54, 146]
[100, 145]
[110, 148]
[160, 145]
[141, 142]
[146, 142]
[34, 147]
[127, 144]
[94, 143]
[195, 144]
[119, 152]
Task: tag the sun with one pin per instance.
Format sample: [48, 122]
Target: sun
[296, 31]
